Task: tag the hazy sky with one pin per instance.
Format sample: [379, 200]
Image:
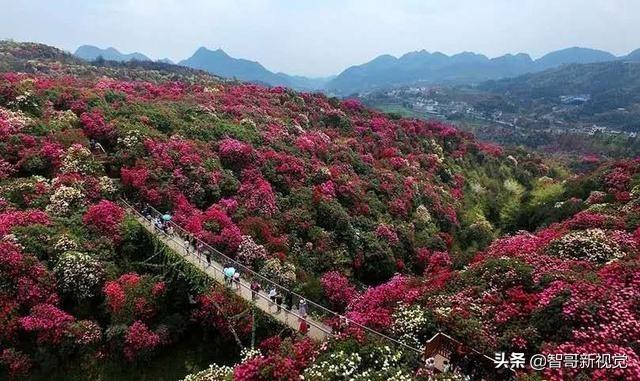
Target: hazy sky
[316, 37]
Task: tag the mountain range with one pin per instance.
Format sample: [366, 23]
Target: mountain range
[92, 53]
[220, 63]
[385, 71]
[465, 68]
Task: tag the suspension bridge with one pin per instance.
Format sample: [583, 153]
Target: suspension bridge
[213, 264]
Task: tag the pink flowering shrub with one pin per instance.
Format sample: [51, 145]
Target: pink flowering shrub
[105, 218]
[249, 252]
[235, 153]
[326, 191]
[133, 297]
[374, 308]
[86, 332]
[49, 323]
[284, 361]
[215, 309]
[385, 232]
[338, 290]
[217, 228]
[139, 340]
[17, 363]
[10, 219]
[95, 126]
[26, 282]
[257, 195]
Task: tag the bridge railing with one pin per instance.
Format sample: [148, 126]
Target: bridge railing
[202, 250]
[206, 256]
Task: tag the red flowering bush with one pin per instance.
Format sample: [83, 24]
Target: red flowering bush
[105, 218]
[95, 126]
[385, 232]
[338, 290]
[10, 219]
[217, 228]
[26, 282]
[139, 340]
[219, 310]
[284, 361]
[49, 323]
[375, 306]
[256, 194]
[17, 363]
[132, 297]
[235, 153]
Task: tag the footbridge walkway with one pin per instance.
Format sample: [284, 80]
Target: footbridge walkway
[316, 315]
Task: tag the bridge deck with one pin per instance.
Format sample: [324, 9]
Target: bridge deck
[291, 318]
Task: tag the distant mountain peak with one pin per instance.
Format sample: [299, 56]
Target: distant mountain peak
[462, 68]
[574, 54]
[91, 53]
[633, 56]
[203, 50]
[218, 62]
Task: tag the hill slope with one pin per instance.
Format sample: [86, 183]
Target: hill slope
[612, 90]
[324, 195]
[573, 55]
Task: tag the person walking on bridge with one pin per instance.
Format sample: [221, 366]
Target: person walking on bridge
[157, 223]
[304, 327]
[255, 289]
[272, 297]
[207, 255]
[302, 308]
[228, 275]
[288, 301]
[146, 211]
[279, 302]
[236, 280]
[192, 241]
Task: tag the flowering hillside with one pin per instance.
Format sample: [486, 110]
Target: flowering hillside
[393, 222]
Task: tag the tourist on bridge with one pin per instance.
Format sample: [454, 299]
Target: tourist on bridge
[236, 280]
[304, 327]
[207, 255]
[157, 223]
[343, 323]
[278, 299]
[188, 242]
[272, 296]
[228, 275]
[302, 308]
[255, 289]
[166, 218]
[288, 300]
[187, 246]
[146, 211]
